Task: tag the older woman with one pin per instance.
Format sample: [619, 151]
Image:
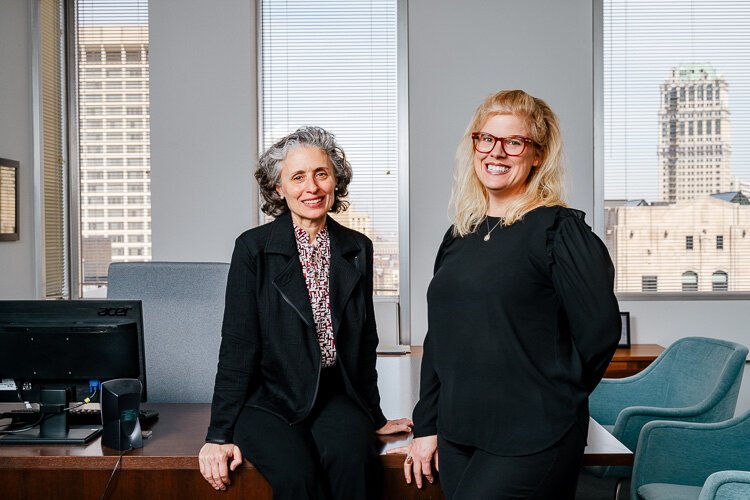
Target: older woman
[522, 318]
[296, 388]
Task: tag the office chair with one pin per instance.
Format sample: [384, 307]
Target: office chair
[689, 460]
[183, 306]
[696, 379]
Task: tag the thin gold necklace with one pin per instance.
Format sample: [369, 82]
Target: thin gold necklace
[489, 231]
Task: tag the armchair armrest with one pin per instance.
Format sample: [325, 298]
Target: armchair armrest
[613, 394]
[687, 453]
[631, 420]
[726, 485]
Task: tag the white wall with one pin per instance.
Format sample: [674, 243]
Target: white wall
[448, 80]
[203, 127]
[17, 279]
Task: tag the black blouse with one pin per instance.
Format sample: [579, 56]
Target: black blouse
[521, 330]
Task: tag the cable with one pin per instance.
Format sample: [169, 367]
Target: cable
[23, 429]
[85, 401]
[118, 466]
[42, 416]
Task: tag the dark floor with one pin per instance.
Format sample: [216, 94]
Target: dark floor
[593, 488]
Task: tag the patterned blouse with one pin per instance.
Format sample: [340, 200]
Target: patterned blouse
[316, 264]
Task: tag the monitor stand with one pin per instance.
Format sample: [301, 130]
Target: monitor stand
[53, 428]
[34, 436]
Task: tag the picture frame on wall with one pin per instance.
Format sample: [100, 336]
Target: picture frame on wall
[625, 332]
[9, 200]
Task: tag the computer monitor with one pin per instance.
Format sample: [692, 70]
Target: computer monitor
[57, 352]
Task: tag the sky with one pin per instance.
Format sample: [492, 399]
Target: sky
[672, 33]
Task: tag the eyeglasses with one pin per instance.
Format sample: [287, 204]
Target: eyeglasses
[514, 145]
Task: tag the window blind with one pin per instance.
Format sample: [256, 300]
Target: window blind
[51, 102]
[333, 64]
[676, 115]
[112, 46]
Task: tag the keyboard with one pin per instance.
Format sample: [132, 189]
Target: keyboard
[85, 415]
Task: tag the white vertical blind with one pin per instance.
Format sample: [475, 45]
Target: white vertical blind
[112, 45]
[677, 144]
[332, 63]
[52, 102]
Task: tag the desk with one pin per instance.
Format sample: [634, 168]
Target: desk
[628, 361]
[167, 465]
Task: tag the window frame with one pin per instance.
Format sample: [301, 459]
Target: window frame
[598, 184]
[402, 111]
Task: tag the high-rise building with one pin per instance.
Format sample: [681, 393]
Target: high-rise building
[385, 258]
[115, 186]
[694, 140]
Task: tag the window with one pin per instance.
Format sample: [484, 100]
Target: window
[689, 281]
[676, 142]
[719, 282]
[53, 159]
[335, 65]
[116, 30]
[649, 283]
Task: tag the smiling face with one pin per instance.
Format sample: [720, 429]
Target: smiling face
[307, 184]
[504, 176]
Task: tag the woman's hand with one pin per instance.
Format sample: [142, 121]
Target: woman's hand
[419, 456]
[396, 426]
[213, 460]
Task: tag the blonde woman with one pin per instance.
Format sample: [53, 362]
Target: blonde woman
[522, 318]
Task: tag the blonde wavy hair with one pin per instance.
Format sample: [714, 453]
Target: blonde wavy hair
[544, 186]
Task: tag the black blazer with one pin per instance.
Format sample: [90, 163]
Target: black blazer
[269, 356]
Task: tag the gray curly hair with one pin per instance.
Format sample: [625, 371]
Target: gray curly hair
[268, 172]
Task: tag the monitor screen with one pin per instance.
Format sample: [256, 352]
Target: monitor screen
[70, 344]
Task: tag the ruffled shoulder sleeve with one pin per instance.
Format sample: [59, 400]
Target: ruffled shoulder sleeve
[564, 219]
[583, 276]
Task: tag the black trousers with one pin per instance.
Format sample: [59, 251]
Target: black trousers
[467, 472]
[331, 454]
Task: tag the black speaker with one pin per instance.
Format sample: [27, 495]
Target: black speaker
[120, 400]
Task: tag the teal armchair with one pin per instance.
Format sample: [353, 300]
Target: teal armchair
[693, 461]
[695, 379]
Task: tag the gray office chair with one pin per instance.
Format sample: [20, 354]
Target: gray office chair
[183, 305]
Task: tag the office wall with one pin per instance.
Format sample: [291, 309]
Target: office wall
[448, 79]
[203, 126]
[17, 278]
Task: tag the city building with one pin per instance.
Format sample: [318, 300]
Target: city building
[695, 245]
[114, 147]
[695, 138]
[693, 239]
[385, 258]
